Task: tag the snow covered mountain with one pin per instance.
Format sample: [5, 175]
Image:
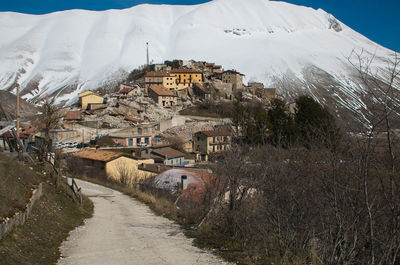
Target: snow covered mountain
[294, 48]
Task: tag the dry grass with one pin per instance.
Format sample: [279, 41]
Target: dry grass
[16, 185]
[51, 220]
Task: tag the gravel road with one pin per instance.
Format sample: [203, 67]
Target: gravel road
[125, 231]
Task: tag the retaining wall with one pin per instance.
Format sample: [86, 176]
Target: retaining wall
[9, 224]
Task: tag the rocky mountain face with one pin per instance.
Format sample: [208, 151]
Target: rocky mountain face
[296, 49]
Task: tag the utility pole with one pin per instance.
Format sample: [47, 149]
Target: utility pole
[18, 110]
[147, 49]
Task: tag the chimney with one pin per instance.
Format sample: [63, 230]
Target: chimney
[184, 182]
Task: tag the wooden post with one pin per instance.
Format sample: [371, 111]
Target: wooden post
[18, 110]
[17, 141]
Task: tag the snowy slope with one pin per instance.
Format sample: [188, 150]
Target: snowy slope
[67, 52]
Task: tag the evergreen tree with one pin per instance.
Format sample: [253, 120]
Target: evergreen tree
[315, 125]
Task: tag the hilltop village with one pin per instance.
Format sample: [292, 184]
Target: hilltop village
[152, 122]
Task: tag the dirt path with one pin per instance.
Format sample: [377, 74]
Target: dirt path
[124, 231]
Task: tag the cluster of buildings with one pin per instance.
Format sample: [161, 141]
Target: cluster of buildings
[166, 86]
[162, 165]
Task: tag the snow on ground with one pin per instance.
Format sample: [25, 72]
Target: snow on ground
[85, 49]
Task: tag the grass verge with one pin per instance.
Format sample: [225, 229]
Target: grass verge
[51, 220]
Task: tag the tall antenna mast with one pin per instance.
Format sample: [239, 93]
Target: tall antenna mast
[147, 48]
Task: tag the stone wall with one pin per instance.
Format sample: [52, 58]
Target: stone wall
[9, 224]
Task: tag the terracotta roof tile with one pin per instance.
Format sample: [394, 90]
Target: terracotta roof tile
[10, 135]
[185, 71]
[168, 152]
[202, 88]
[73, 115]
[234, 72]
[126, 90]
[127, 118]
[161, 91]
[157, 74]
[97, 155]
[215, 133]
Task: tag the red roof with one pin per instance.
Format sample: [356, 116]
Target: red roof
[127, 118]
[198, 182]
[21, 135]
[126, 90]
[73, 115]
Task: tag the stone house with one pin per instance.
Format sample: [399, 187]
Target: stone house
[134, 137]
[161, 78]
[233, 77]
[89, 97]
[73, 115]
[162, 96]
[63, 135]
[186, 77]
[169, 156]
[202, 91]
[112, 165]
[129, 90]
[206, 143]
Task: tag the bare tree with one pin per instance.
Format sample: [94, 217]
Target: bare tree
[48, 120]
[383, 88]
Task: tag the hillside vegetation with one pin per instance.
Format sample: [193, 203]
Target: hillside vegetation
[52, 217]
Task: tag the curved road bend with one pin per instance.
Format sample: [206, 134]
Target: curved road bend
[125, 231]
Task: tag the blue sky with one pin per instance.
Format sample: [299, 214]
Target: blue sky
[375, 19]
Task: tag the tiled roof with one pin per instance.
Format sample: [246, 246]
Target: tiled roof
[29, 129]
[215, 133]
[97, 155]
[202, 88]
[185, 71]
[157, 74]
[85, 93]
[233, 72]
[127, 118]
[162, 91]
[126, 90]
[73, 115]
[168, 152]
[10, 135]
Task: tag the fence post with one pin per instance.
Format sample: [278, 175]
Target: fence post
[66, 186]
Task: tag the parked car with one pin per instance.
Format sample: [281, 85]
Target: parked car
[81, 145]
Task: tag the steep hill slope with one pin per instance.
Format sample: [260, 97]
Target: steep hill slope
[296, 49]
